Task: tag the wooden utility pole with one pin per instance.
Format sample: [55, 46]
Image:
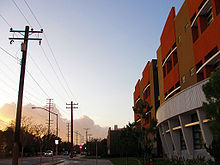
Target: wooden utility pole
[24, 47]
[50, 105]
[72, 106]
[86, 134]
[68, 133]
[51, 113]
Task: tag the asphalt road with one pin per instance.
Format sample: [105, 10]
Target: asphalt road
[67, 161]
[30, 160]
[81, 161]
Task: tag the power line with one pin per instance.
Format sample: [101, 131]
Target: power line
[33, 79]
[16, 83]
[27, 72]
[33, 14]
[9, 68]
[21, 13]
[5, 21]
[30, 56]
[45, 77]
[43, 50]
[54, 71]
[9, 53]
[50, 48]
[37, 83]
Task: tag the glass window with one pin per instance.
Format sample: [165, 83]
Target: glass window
[182, 141]
[197, 137]
[217, 6]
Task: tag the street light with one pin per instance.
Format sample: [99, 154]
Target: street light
[49, 112]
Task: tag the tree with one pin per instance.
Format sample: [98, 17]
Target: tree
[39, 131]
[128, 140]
[212, 109]
[146, 136]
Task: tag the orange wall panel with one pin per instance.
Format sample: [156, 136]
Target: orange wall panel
[171, 79]
[145, 75]
[193, 7]
[167, 38]
[137, 91]
[208, 40]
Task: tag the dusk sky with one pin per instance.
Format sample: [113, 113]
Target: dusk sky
[101, 47]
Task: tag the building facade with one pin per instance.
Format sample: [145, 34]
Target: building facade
[189, 51]
[146, 89]
[113, 147]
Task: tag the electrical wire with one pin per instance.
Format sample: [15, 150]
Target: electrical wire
[45, 77]
[37, 83]
[54, 70]
[27, 72]
[21, 13]
[9, 54]
[43, 51]
[50, 49]
[5, 21]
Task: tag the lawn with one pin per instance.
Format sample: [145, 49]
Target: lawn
[122, 161]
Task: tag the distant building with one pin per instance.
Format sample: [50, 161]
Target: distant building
[189, 51]
[113, 141]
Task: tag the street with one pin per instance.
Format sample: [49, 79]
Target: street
[30, 160]
[80, 161]
[67, 161]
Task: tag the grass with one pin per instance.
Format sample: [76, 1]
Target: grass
[122, 161]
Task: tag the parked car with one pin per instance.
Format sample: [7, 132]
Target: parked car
[83, 153]
[48, 153]
[72, 154]
[66, 153]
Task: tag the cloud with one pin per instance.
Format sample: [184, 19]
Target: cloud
[39, 116]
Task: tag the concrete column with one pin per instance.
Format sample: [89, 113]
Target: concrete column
[206, 133]
[163, 140]
[187, 133]
[174, 136]
[168, 140]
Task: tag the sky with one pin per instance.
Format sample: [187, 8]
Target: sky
[97, 52]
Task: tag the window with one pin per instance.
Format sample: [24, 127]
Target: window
[186, 27]
[195, 31]
[200, 74]
[175, 58]
[164, 71]
[200, 6]
[211, 60]
[209, 16]
[179, 39]
[217, 6]
[194, 118]
[192, 71]
[206, 15]
[197, 137]
[166, 94]
[183, 79]
[169, 65]
[177, 84]
[211, 53]
[182, 141]
[174, 45]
